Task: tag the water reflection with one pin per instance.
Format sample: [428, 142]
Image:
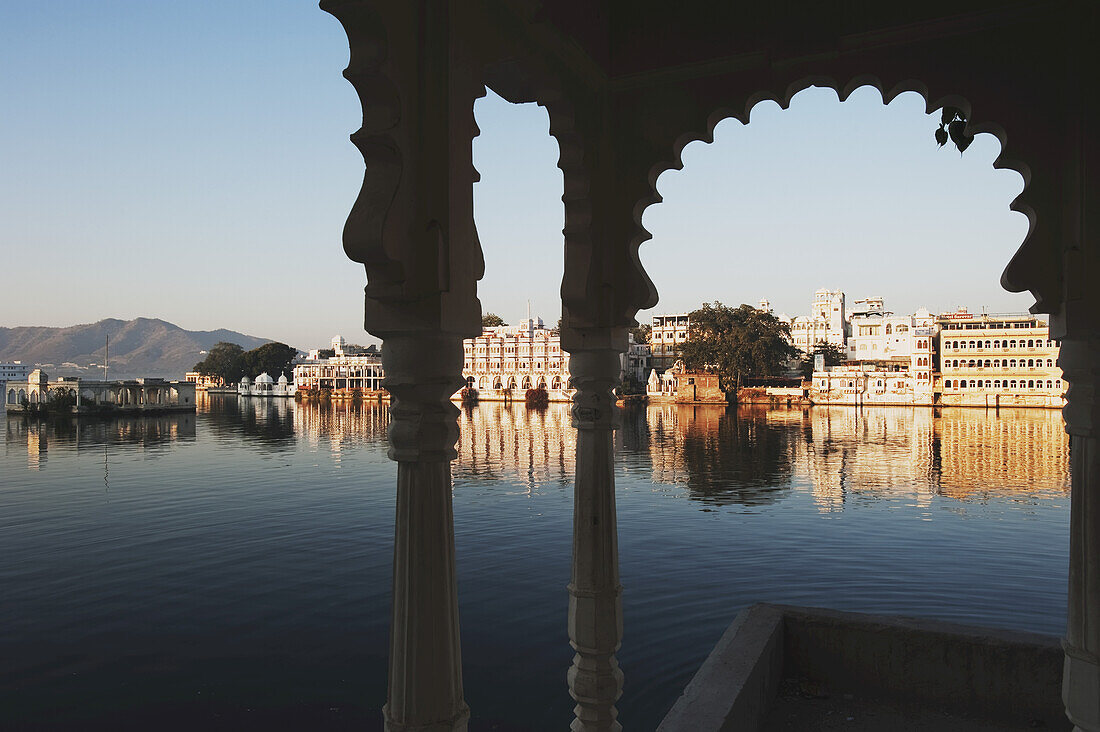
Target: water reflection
[721, 455]
[269, 423]
[754, 456]
[151, 434]
[536, 445]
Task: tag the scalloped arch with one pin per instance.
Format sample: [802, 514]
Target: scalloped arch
[1017, 276]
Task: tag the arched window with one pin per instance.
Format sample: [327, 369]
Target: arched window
[497, 384]
[11, 396]
[556, 384]
[483, 382]
[987, 344]
[1012, 363]
[996, 344]
[996, 383]
[1013, 384]
[34, 397]
[1050, 362]
[542, 383]
[1031, 344]
[889, 329]
[1031, 383]
[988, 383]
[996, 363]
[1012, 344]
[511, 382]
[470, 382]
[947, 384]
[1031, 362]
[526, 383]
[1050, 384]
[970, 363]
[988, 363]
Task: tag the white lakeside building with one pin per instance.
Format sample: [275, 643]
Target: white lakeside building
[349, 367]
[265, 386]
[505, 361]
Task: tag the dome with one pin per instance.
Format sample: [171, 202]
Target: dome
[264, 379]
[282, 378]
[245, 380]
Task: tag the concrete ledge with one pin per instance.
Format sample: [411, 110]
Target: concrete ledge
[975, 671]
[736, 684]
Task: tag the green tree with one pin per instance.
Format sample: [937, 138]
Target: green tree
[834, 356]
[274, 358]
[556, 330]
[735, 343]
[491, 320]
[225, 360]
[642, 333]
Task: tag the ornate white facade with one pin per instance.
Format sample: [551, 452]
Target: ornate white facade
[504, 362]
[265, 386]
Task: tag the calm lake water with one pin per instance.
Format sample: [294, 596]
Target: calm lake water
[231, 569]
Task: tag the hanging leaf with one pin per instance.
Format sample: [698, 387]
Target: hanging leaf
[941, 137]
[957, 130]
[948, 115]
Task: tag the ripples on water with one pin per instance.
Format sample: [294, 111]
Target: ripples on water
[232, 567]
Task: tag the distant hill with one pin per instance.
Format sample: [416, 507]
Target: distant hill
[140, 347]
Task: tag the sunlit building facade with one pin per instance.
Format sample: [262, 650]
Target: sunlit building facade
[504, 362]
[998, 361]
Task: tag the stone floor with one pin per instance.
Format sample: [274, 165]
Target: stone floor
[807, 706]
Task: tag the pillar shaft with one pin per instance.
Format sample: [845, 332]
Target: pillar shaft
[425, 668]
[595, 595]
[1080, 362]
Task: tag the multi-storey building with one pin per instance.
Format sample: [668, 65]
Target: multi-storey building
[348, 368]
[878, 334]
[669, 331]
[998, 360]
[826, 323]
[504, 362]
[13, 371]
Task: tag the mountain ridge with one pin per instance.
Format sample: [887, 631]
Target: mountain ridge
[139, 347]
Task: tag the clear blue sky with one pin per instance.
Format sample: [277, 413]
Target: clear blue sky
[190, 161]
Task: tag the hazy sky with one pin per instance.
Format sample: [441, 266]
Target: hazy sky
[190, 161]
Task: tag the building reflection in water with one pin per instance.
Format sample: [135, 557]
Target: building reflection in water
[150, 433]
[756, 455]
[339, 425]
[497, 441]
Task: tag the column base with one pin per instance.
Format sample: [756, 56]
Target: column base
[1081, 688]
[458, 724]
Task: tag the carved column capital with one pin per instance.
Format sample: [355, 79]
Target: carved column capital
[422, 371]
[1079, 359]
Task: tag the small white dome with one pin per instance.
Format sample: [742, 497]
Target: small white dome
[245, 380]
[264, 379]
[282, 378]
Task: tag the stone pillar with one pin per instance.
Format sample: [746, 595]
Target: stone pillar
[425, 672]
[595, 605]
[1080, 362]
